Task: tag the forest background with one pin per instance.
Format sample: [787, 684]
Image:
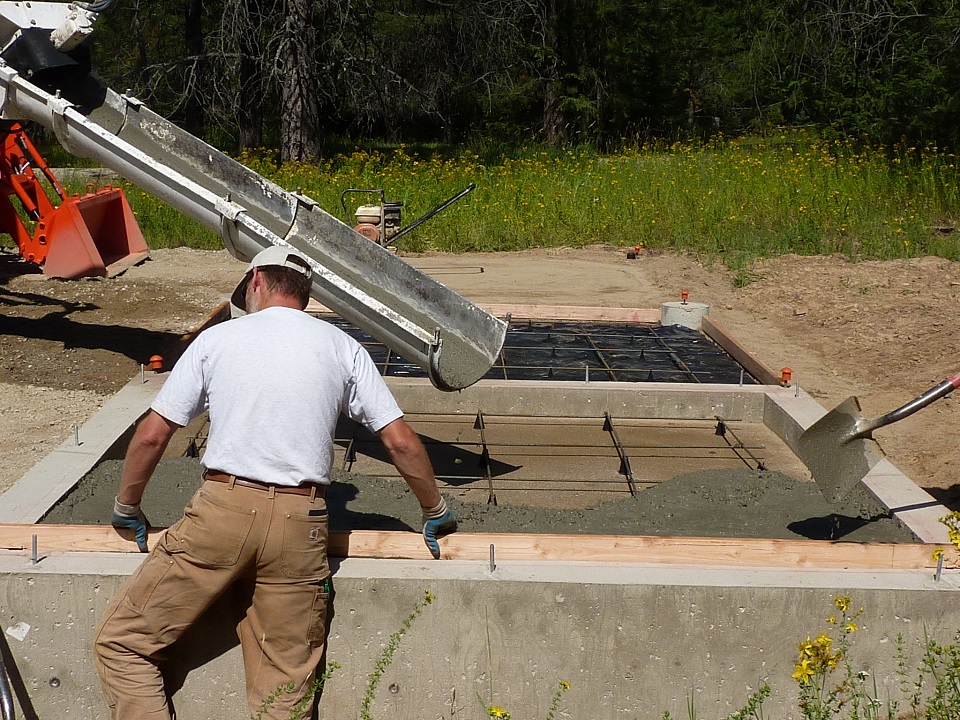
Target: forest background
[302, 74]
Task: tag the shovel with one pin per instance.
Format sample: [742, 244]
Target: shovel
[839, 448]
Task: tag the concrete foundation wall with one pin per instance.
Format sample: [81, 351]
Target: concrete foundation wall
[585, 399]
[632, 641]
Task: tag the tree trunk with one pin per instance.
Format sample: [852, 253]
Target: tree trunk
[554, 126]
[300, 119]
[250, 110]
[194, 121]
[252, 81]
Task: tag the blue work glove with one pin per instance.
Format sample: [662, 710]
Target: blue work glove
[131, 517]
[437, 521]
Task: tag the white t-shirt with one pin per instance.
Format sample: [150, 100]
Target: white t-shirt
[275, 382]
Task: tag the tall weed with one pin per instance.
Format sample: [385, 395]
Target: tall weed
[737, 200]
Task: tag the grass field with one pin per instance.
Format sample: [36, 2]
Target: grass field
[730, 200]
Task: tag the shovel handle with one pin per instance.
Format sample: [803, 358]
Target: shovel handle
[920, 402]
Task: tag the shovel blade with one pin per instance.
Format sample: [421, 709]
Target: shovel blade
[836, 452]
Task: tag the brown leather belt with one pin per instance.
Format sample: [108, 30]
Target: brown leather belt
[314, 489]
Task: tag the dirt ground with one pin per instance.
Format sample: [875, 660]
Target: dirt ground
[877, 330]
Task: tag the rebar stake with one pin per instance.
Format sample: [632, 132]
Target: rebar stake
[142, 378]
[76, 435]
[939, 568]
[741, 377]
[798, 389]
[493, 564]
[33, 550]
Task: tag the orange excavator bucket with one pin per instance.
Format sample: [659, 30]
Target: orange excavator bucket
[93, 235]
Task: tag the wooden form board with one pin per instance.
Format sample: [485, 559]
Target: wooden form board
[629, 549]
[220, 313]
[750, 362]
[575, 313]
[550, 312]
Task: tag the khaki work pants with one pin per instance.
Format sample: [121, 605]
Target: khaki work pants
[275, 546]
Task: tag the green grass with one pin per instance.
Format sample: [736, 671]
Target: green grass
[738, 200]
[734, 200]
[164, 226]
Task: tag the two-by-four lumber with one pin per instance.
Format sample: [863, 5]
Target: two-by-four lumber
[750, 362]
[575, 313]
[635, 549]
[552, 312]
[219, 314]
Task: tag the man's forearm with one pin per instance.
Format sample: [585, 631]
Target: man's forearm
[410, 458]
[146, 448]
[418, 473]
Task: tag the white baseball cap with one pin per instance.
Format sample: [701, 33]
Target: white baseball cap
[273, 255]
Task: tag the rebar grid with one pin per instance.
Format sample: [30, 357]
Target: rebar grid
[500, 453]
[595, 352]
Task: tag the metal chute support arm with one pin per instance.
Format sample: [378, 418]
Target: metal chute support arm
[452, 339]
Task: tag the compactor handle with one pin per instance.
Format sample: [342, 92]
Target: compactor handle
[442, 206]
[343, 197]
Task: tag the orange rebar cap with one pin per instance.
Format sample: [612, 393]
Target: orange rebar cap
[785, 375]
[156, 363]
[684, 294]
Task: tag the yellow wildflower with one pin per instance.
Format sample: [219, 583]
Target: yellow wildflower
[842, 603]
[803, 672]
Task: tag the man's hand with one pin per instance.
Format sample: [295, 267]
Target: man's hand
[437, 521]
[131, 517]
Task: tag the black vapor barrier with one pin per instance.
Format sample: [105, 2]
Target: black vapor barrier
[598, 352]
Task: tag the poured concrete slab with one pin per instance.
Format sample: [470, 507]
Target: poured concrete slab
[570, 462]
[770, 407]
[780, 412]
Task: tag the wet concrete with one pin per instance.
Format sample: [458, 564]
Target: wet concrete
[706, 503]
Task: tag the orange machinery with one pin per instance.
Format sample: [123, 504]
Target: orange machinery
[93, 235]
